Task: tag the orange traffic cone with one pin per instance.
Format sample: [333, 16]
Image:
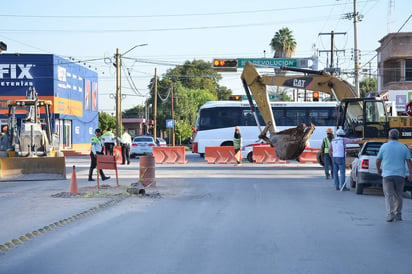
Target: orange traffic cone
[73, 184]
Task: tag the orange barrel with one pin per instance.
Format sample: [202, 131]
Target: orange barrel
[117, 153]
[147, 171]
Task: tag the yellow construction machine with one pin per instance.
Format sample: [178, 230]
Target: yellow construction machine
[28, 149]
[365, 118]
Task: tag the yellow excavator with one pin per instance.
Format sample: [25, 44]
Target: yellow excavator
[365, 118]
[28, 149]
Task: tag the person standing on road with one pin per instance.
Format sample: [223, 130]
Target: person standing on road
[237, 144]
[97, 148]
[126, 143]
[391, 165]
[337, 152]
[324, 150]
[108, 138]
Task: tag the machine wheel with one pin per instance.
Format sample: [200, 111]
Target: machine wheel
[250, 156]
[227, 144]
[319, 158]
[359, 189]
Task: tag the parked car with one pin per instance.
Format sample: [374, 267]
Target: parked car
[160, 142]
[142, 145]
[364, 172]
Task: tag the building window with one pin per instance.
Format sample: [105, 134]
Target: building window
[392, 71]
[408, 70]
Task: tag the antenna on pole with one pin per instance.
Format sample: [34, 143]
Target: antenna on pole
[391, 6]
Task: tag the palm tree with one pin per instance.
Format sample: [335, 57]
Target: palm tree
[283, 43]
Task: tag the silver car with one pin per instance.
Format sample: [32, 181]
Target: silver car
[142, 145]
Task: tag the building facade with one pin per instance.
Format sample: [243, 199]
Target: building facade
[72, 88]
[395, 68]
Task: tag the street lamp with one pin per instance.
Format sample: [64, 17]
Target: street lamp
[119, 88]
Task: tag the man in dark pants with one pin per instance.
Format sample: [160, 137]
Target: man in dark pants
[126, 143]
[97, 148]
[390, 163]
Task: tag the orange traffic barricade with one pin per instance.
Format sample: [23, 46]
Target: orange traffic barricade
[170, 155]
[220, 155]
[309, 155]
[264, 154]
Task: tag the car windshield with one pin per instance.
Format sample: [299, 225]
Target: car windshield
[143, 139]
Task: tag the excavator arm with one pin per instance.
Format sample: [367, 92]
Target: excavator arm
[290, 143]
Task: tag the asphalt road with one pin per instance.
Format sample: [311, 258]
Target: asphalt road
[218, 219]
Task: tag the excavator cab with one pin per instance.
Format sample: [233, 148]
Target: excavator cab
[363, 118]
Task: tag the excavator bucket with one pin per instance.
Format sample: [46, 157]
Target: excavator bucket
[288, 143]
[291, 142]
[32, 168]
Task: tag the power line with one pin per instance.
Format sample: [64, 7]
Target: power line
[174, 15]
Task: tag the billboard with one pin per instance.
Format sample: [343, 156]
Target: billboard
[71, 87]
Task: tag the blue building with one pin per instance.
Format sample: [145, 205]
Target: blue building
[72, 88]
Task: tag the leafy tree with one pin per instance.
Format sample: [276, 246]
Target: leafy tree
[137, 111]
[106, 121]
[194, 83]
[367, 85]
[283, 43]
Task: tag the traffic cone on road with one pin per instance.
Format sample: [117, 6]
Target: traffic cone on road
[73, 184]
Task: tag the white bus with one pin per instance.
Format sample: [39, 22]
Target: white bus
[216, 121]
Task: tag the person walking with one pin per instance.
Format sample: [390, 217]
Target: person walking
[324, 150]
[108, 138]
[237, 144]
[97, 148]
[337, 152]
[391, 165]
[126, 141]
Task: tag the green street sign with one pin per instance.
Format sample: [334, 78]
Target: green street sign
[271, 97]
[271, 62]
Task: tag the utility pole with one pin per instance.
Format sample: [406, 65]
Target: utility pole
[155, 106]
[355, 34]
[118, 96]
[119, 89]
[332, 46]
[356, 18]
[173, 118]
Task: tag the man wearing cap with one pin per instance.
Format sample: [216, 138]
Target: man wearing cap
[324, 150]
[97, 148]
[391, 165]
[337, 152]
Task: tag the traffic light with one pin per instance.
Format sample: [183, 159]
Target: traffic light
[235, 98]
[315, 96]
[225, 64]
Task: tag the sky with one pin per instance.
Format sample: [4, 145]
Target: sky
[168, 33]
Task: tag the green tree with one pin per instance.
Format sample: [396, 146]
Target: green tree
[135, 112]
[107, 121]
[194, 83]
[283, 43]
[368, 84]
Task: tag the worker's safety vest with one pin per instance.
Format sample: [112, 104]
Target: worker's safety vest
[327, 144]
